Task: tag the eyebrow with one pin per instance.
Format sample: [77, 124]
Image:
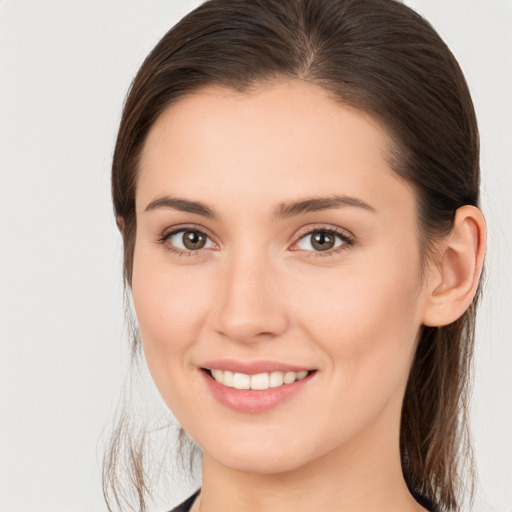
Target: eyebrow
[182, 205]
[316, 204]
[283, 210]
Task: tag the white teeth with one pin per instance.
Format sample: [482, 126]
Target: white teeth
[227, 378]
[276, 379]
[259, 381]
[289, 377]
[241, 381]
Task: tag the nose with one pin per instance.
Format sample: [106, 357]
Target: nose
[250, 305]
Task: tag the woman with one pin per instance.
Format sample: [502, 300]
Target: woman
[297, 186]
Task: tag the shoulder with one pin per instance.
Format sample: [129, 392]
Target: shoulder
[422, 500]
[185, 506]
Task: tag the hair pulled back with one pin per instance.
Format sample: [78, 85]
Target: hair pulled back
[383, 58]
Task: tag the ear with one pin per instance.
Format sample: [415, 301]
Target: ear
[453, 279]
[120, 223]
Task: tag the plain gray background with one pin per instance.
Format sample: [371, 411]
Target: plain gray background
[65, 67]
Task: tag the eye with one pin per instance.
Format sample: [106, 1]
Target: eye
[326, 240]
[185, 241]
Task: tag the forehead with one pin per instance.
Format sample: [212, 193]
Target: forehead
[284, 139]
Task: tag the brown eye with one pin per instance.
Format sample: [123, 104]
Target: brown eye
[322, 240]
[188, 240]
[193, 240]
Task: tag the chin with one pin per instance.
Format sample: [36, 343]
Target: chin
[256, 462]
[264, 455]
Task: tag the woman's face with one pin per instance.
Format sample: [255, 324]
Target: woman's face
[273, 239]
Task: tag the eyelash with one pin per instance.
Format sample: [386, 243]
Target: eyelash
[179, 252]
[347, 241]
[345, 237]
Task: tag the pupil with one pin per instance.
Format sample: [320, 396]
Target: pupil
[193, 240]
[323, 241]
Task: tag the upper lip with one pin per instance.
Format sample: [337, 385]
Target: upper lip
[253, 367]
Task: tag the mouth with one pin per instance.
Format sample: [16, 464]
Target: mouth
[257, 382]
[256, 392]
[256, 386]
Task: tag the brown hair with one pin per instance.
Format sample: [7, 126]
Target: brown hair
[385, 59]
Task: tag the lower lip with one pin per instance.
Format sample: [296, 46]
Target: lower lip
[254, 401]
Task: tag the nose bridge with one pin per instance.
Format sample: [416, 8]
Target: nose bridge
[249, 303]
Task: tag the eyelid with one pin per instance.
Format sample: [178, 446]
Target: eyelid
[170, 231]
[325, 227]
[347, 238]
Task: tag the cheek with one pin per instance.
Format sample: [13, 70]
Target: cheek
[366, 320]
[170, 302]
[366, 323]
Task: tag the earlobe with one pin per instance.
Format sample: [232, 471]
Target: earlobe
[453, 282]
[120, 223]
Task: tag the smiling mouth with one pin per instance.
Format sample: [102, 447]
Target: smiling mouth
[259, 381]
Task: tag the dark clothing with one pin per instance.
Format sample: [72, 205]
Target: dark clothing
[185, 506]
[425, 502]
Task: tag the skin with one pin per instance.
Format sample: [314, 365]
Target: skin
[259, 290]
